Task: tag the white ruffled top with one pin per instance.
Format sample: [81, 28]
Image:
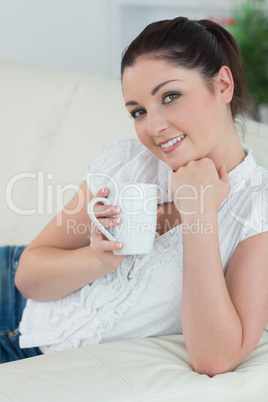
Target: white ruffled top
[143, 296]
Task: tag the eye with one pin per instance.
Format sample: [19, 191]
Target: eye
[170, 97]
[138, 113]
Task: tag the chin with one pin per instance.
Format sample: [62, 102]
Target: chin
[175, 165]
[173, 162]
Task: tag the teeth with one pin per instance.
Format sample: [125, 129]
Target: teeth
[172, 142]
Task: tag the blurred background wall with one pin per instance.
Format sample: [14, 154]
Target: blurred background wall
[86, 35]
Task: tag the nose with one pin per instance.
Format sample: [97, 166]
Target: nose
[156, 123]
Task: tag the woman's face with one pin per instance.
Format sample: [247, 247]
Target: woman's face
[175, 114]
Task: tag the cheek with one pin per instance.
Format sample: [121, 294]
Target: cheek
[141, 133]
[199, 114]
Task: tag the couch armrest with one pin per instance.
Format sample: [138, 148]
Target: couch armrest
[150, 369]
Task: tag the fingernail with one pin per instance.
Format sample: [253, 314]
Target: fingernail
[102, 190]
[116, 209]
[117, 220]
[119, 245]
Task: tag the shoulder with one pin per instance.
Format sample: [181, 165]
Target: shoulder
[121, 160]
[248, 202]
[125, 151]
[244, 212]
[123, 144]
[122, 150]
[247, 176]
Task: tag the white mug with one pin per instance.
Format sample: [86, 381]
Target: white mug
[138, 204]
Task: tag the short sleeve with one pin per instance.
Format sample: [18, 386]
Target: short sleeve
[104, 168]
[121, 161]
[256, 220]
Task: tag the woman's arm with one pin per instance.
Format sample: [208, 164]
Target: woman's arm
[59, 260]
[222, 318]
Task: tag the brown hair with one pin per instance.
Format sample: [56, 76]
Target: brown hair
[202, 45]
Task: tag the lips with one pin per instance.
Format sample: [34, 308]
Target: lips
[165, 145]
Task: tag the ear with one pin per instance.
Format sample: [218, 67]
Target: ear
[226, 84]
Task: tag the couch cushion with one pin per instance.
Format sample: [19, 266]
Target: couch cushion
[150, 369]
[32, 103]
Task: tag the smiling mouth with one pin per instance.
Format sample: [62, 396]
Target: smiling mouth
[170, 143]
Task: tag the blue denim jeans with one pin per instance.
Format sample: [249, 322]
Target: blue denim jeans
[12, 304]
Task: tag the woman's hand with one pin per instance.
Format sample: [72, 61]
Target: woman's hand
[198, 188]
[100, 245]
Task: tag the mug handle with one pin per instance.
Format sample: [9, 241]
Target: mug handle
[93, 218]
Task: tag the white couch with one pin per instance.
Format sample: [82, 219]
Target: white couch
[52, 126]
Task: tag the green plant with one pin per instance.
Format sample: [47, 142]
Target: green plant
[250, 29]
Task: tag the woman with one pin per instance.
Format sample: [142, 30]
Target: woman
[206, 276]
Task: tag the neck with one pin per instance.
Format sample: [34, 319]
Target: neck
[230, 153]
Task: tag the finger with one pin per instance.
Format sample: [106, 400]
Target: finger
[102, 192]
[224, 178]
[106, 245]
[223, 175]
[96, 233]
[101, 210]
[110, 222]
[160, 211]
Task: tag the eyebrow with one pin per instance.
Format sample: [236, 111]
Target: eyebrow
[154, 91]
